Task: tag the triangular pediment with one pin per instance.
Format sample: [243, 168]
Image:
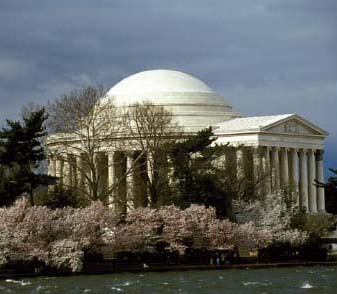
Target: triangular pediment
[295, 125]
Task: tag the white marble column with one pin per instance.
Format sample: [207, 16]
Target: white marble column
[74, 170]
[275, 169]
[85, 175]
[67, 173]
[239, 163]
[267, 169]
[52, 166]
[94, 178]
[149, 166]
[284, 169]
[51, 170]
[150, 171]
[311, 181]
[96, 165]
[80, 173]
[320, 179]
[130, 181]
[293, 175]
[59, 171]
[112, 180]
[257, 170]
[303, 180]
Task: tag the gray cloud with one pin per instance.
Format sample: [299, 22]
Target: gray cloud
[264, 56]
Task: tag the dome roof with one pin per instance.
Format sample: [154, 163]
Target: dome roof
[159, 80]
[163, 87]
[193, 104]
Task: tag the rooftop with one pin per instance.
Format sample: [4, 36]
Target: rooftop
[249, 123]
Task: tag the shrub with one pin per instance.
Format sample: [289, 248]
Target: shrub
[59, 198]
[316, 225]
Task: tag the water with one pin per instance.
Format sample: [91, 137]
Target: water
[321, 280]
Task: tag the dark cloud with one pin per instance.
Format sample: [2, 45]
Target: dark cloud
[264, 56]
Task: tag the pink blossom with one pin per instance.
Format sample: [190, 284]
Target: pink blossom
[60, 237]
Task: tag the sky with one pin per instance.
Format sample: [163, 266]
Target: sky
[264, 56]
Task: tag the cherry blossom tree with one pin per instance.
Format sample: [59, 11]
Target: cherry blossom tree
[59, 238]
[273, 216]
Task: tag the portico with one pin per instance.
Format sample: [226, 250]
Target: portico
[292, 151]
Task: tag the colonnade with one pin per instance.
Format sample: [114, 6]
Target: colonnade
[287, 169]
[295, 171]
[121, 176]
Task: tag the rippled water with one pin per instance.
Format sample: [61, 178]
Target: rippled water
[286, 280]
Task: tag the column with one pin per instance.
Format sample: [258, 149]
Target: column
[71, 171]
[59, 171]
[112, 180]
[94, 187]
[150, 171]
[257, 170]
[67, 173]
[74, 177]
[149, 166]
[239, 164]
[80, 174]
[52, 166]
[284, 166]
[51, 171]
[303, 180]
[293, 176]
[275, 169]
[267, 170]
[311, 181]
[86, 175]
[130, 185]
[320, 179]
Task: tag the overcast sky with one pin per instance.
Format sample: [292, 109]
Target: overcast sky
[263, 56]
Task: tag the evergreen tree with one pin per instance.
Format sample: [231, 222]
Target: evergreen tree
[197, 176]
[20, 156]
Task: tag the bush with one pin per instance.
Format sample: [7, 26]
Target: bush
[286, 251]
[59, 198]
[316, 225]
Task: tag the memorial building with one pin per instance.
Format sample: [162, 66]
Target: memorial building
[286, 147]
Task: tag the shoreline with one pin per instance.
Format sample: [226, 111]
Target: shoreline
[109, 268]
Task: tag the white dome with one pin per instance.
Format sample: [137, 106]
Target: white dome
[159, 80]
[193, 104]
